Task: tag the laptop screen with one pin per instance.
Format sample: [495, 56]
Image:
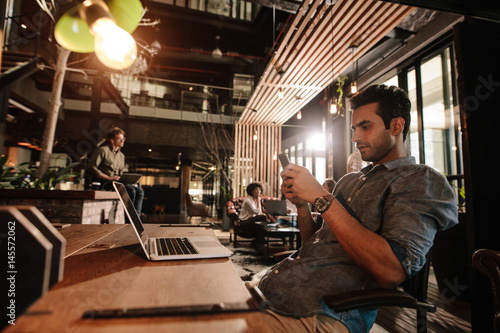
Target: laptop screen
[130, 211]
[276, 207]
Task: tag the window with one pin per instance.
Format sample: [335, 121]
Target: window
[434, 135]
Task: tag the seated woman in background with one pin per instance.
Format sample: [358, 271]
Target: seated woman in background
[251, 209]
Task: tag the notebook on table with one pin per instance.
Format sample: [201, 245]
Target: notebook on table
[169, 248]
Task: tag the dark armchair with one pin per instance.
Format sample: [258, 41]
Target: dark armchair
[487, 262]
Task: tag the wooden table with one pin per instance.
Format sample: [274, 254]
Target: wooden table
[106, 269]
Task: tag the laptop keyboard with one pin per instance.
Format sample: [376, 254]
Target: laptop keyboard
[174, 246]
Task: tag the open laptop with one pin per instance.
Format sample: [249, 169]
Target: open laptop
[169, 248]
[130, 178]
[276, 207]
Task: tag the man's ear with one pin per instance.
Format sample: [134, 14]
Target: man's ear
[398, 125]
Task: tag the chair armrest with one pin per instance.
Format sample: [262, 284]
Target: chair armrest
[373, 298]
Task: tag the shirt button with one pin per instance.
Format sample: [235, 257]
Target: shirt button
[363, 178]
[276, 271]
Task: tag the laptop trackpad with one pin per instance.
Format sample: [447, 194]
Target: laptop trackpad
[205, 242]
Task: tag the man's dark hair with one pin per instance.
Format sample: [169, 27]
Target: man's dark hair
[253, 186]
[115, 131]
[393, 102]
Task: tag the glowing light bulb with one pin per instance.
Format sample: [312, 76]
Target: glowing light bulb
[354, 87]
[333, 106]
[299, 115]
[114, 47]
[281, 93]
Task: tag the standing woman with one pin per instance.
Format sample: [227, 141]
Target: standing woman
[251, 209]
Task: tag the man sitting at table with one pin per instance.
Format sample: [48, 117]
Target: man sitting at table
[107, 164]
[378, 224]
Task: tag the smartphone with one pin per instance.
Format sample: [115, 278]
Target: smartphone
[284, 160]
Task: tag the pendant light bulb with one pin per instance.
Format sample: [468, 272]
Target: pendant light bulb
[354, 87]
[280, 93]
[299, 115]
[333, 106]
[114, 47]
[255, 137]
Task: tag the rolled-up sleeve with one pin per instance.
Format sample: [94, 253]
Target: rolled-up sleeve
[417, 206]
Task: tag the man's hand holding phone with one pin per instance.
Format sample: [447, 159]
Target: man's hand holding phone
[299, 185]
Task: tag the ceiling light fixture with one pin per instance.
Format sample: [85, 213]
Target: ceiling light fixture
[354, 87]
[333, 106]
[217, 53]
[255, 136]
[299, 115]
[178, 166]
[281, 93]
[103, 27]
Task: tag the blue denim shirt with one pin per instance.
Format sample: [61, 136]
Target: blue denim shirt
[404, 202]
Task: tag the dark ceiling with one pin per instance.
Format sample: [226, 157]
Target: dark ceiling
[188, 37]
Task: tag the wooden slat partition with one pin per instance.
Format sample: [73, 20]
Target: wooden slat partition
[255, 160]
[313, 53]
[315, 50]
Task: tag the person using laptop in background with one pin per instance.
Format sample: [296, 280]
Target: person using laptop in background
[378, 226]
[107, 164]
[251, 208]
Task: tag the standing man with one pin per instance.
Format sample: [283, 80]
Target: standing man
[378, 226]
[107, 163]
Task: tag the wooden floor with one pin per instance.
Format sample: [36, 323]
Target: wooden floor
[451, 316]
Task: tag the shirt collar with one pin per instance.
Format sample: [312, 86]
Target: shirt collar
[391, 165]
[112, 150]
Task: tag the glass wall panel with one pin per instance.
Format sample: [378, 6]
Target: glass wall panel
[438, 118]
[300, 154]
[320, 172]
[292, 155]
[413, 135]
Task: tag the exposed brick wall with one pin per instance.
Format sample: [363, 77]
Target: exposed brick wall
[74, 211]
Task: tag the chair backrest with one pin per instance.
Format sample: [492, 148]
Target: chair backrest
[487, 262]
[417, 285]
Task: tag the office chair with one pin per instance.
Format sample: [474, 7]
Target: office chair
[414, 296]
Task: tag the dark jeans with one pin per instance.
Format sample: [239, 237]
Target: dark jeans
[249, 225]
[135, 193]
